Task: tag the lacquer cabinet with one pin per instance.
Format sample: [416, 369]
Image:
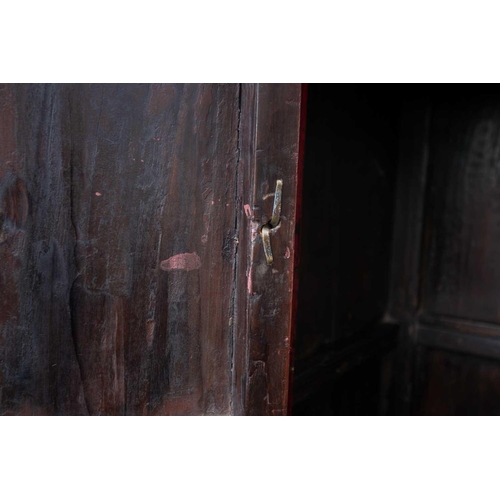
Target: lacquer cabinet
[133, 276]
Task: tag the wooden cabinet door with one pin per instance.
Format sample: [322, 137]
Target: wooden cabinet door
[133, 279]
[446, 270]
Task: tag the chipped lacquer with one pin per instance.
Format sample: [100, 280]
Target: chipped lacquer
[132, 276]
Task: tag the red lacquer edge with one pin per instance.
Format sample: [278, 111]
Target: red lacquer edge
[296, 259]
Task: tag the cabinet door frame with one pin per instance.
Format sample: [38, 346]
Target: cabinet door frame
[272, 118]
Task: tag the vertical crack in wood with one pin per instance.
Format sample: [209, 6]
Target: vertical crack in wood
[232, 335]
[75, 254]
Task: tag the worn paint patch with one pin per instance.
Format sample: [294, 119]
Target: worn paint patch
[150, 329]
[287, 253]
[248, 211]
[184, 261]
[249, 282]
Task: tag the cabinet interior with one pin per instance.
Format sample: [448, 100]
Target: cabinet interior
[399, 239]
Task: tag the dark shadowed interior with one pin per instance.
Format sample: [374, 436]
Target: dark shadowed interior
[398, 309]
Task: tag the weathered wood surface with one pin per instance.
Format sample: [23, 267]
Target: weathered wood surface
[100, 185]
[127, 254]
[39, 369]
[270, 139]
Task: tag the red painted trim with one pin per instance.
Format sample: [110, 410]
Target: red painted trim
[298, 220]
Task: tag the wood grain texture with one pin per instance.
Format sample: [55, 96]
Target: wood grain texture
[132, 278]
[100, 184]
[38, 363]
[269, 151]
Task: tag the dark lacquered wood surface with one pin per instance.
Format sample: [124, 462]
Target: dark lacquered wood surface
[449, 383]
[270, 151]
[445, 274]
[462, 275]
[439, 252]
[120, 226]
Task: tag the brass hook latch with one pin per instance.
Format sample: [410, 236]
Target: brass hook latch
[273, 223]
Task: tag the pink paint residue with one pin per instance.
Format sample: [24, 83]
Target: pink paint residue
[248, 211]
[184, 261]
[97, 193]
[287, 253]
